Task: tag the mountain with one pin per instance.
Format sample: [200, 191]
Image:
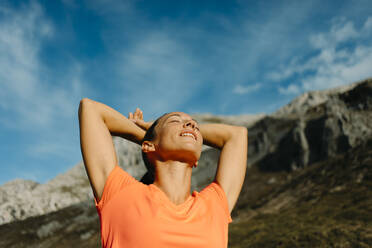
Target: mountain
[308, 182]
[294, 137]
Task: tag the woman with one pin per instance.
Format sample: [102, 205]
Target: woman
[161, 212]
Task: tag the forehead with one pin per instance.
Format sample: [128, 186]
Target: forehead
[179, 114]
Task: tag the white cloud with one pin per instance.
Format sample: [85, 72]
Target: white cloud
[190, 54]
[291, 89]
[35, 99]
[242, 90]
[343, 31]
[340, 31]
[27, 98]
[333, 65]
[368, 24]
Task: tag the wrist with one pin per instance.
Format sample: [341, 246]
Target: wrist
[148, 125]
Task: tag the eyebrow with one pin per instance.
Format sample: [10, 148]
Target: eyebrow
[179, 116]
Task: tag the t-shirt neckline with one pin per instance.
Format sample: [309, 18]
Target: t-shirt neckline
[164, 198]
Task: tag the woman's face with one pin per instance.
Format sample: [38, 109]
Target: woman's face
[178, 138]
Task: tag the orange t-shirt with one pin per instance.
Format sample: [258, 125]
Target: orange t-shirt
[136, 215]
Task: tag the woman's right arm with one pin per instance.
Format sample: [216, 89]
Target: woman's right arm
[98, 122]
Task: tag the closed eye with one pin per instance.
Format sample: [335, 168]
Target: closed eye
[175, 119]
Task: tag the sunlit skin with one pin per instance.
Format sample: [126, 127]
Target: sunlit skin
[174, 155]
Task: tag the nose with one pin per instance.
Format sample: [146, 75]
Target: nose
[189, 123]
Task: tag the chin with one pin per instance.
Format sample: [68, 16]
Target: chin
[191, 156]
[189, 153]
[194, 153]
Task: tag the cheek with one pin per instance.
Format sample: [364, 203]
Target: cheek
[167, 139]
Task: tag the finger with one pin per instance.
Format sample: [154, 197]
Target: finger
[130, 115]
[141, 115]
[136, 114]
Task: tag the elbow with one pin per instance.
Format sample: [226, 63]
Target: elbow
[242, 136]
[237, 133]
[244, 130]
[83, 103]
[241, 131]
[86, 102]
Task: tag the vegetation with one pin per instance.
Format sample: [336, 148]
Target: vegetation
[331, 206]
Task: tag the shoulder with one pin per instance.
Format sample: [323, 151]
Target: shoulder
[117, 180]
[216, 196]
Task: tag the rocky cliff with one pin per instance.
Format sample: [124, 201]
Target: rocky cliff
[295, 137]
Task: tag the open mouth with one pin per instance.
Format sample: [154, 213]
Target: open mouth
[188, 134]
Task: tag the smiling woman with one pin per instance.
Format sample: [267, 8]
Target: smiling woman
[150, 135]
[162, 209]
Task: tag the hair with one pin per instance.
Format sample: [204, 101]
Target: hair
[150, 135]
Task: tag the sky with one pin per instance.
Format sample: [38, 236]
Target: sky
[218, 57]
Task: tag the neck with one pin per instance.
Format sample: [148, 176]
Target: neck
[174, 179]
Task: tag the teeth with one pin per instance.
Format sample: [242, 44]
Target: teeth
[188, 134]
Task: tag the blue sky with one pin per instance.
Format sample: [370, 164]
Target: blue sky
[220, 57]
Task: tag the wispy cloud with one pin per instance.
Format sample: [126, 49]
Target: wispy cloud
[343, 55]
[368, 25]
[165, 63]
[26, 96]
[246, 89]
[162, 59]
[35, 100]
[292, 89]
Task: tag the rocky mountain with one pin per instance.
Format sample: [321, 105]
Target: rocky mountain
[307, 182]
[312, 98]
[291, 138]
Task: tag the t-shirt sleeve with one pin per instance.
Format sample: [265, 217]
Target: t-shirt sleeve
[217, 193]
[116, 180]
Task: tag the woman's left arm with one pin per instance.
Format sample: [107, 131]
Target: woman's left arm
[232, 164]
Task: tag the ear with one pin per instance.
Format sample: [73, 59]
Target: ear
[148, 146]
